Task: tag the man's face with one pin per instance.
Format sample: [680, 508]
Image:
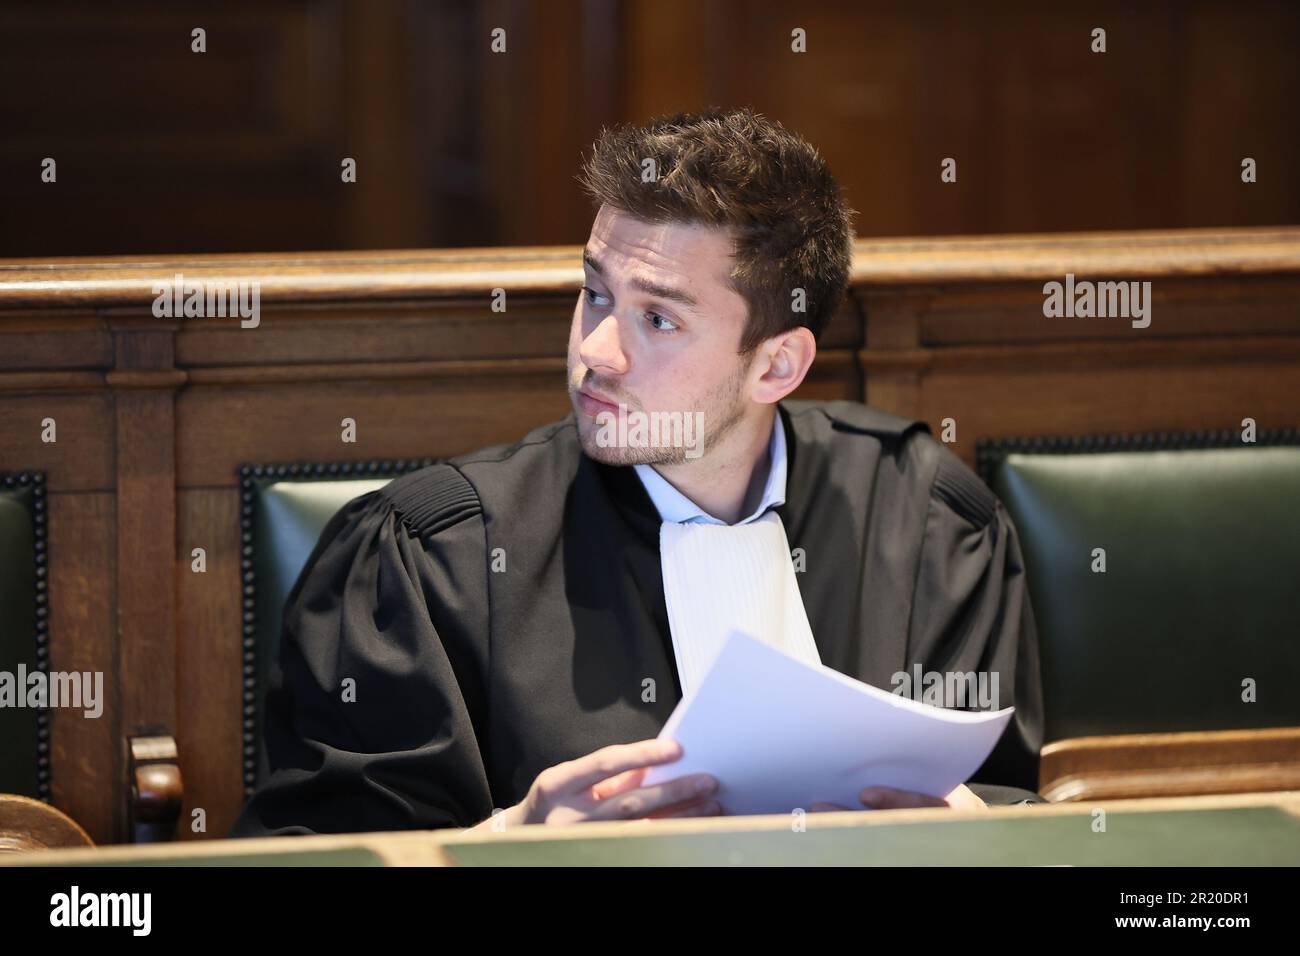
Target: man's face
[656, 328]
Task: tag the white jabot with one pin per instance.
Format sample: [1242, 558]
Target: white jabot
[720, 578]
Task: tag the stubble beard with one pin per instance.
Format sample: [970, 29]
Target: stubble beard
[723, 410]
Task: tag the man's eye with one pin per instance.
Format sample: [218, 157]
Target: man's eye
[656, 319]
[593, 296]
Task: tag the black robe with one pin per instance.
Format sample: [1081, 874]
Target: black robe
[500, 612]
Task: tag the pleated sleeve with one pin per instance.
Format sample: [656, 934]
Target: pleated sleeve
[971, 614]
[374, 714]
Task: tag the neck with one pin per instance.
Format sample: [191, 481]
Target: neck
[727, 482]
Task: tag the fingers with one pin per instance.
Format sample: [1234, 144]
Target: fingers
[608, 761]
[887, 798]
[646, 800]
[826, 808]
[619, 784]
[697, 808]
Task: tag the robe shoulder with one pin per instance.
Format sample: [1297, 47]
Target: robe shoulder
[429, 500]
[935, 467]
[972, 613]
[523, 480]
[488, 479]
[856, 417]
[956, 486]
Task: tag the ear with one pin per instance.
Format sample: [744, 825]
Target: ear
[782, 362]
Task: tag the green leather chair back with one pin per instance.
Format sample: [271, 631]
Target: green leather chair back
[1200, 596]
[24, 731]
[285, 508]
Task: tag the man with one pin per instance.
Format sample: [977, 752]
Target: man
[519, 623]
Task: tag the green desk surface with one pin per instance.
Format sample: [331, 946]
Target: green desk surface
[1237, 836]
[341, 856]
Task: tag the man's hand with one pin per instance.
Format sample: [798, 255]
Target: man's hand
[605, 785]
[887, 798]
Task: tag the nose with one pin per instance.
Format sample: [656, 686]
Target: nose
[602, 349]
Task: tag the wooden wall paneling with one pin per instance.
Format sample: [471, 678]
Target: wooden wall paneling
[891, 322]
[544, 101]
[667, 40]
[224, 427]
[82, 457]
[844, 330]
[52, 367]
[1223, 111]
[1047, 399]
[953, 336]
[209, 659]
[449, 105]
[1182, 308]
[459, 145]
[545, 202]
[243, 138]
[144, 382]
[345, 333]
[53, 340]
[834, 375]
[384, 101]
[86, 757]
[892, 316]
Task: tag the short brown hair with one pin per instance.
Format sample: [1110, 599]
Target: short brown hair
[737, 169]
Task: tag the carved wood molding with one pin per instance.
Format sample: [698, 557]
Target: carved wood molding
[1175, 764]
[127, 281]
[1086, 355]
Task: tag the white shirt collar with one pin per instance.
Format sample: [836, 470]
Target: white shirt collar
[674, 506]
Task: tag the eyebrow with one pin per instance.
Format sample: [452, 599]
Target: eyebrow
[650, 288]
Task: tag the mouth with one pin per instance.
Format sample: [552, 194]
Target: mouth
[593, 405]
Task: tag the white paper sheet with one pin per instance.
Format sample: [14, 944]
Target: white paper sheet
[780, 734]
